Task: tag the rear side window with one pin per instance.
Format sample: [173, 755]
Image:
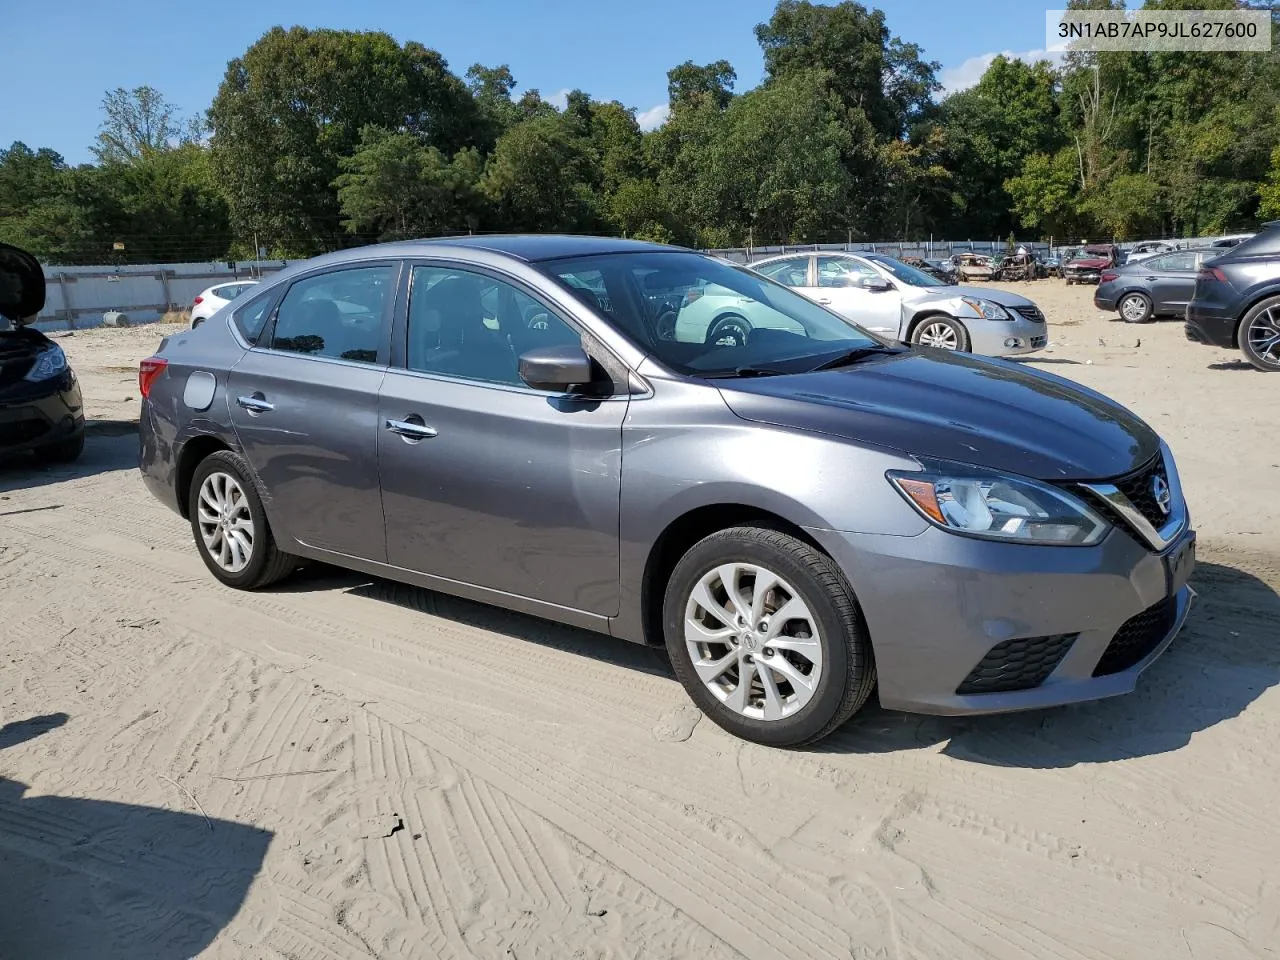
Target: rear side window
[252, 317]
[338, 315]
[794, 271]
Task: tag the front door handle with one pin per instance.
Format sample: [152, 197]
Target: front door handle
[823, 300]
[410, 430]
[255, 404]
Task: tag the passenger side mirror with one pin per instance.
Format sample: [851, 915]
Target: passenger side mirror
[559, 369]
[878, 285]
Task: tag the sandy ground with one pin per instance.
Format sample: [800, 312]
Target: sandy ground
[345, 768]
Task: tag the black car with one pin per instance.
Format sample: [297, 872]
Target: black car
[1236, 302]
[40, 404]
[1153, 286]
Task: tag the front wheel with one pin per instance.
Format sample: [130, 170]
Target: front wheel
[765, 635]
[1260, 336]
[943, 333]
[730, 330]
[230, 525]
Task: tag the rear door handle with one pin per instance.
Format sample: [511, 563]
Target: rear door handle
[255, 404]
[411, 430]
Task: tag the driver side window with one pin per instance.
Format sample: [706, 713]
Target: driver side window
[839, 272]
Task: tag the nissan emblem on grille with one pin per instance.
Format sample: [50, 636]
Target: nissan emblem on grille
[1160, 491]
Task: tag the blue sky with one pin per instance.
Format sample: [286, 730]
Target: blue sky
[69, 52]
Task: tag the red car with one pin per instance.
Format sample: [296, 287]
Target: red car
[1087, 266]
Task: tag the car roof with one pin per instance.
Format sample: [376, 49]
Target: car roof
[530, 247]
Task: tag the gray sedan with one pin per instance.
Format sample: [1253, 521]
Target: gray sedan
[801, 518]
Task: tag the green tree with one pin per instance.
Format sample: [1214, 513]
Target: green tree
[137, 123]
[538, 178]
[1269, 190]
[295, 104]
[395, 187]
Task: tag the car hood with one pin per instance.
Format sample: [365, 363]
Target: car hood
[953, 406]
[1003, 297]
[22, 288]
[1089, 262]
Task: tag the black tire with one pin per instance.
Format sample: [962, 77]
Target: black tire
[958, 328]
[64, 451]
[1254, 326]
[1135, 297]
[267, 563]
[729, 325]
[848, 673]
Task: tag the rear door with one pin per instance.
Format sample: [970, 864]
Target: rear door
[1172, 279]
[304, 403]
[486, 480]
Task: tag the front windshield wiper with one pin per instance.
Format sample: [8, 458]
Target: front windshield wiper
[856, 354]
[747, 372]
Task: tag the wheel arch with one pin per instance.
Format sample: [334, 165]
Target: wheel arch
[928, 312]
[1252, 302]
[682, 533]
[194, 451]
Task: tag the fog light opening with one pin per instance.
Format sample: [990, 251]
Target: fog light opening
[1012, 342]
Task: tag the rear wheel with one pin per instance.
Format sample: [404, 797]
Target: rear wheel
[1135, 308]
[1260, 335]
[766, 637]
[230, 525]
[942, 333]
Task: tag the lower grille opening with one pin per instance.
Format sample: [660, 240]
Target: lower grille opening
[1019, 664]
[1137, 637]
[24, 431]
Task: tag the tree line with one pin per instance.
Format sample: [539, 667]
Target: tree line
[319, 139]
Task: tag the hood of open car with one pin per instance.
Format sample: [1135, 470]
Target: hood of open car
[22, 288]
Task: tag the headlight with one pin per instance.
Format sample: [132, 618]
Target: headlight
[986, 309]
[998, 507]
[50, 362]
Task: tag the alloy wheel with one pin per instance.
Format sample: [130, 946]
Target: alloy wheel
[1133, 308]
[753, 641]
[940, 335]
[1264, 338]
[225, 522]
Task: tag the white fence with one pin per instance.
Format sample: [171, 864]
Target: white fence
[77, 297]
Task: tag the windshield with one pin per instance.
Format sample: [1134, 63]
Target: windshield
[704, 317]
[907, 274]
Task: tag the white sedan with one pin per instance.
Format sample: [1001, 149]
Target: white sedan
[215, 298]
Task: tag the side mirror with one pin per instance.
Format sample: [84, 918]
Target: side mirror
[879, 286]
[558, 369]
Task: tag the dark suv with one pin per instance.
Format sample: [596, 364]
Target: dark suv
[1236, 302]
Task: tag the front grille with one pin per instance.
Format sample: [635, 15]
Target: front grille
[1019, 664]
[1137, 637]
[1137, 486]
[1032, 313]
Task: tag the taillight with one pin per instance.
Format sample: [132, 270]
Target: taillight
[148, 370]
[691, 295]
[1213, 273]
[197, 301]
[1107, 276]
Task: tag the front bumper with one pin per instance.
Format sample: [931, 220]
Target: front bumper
[38, 414]
[991, 338]
[941, 609]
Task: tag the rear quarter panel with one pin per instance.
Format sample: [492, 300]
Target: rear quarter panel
[168, 422]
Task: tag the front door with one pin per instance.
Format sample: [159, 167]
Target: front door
[842, 287]
[304, 404]
[485, 480]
